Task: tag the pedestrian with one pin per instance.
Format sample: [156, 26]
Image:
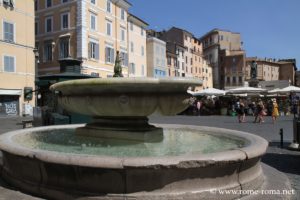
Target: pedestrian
[275, 112]
[262, 113]
[241, 113]
[198, 107]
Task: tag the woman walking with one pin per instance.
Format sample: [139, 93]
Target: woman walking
[275, 112]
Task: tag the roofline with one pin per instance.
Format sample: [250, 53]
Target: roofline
[138, 19]
[217, 30]
[183, 30]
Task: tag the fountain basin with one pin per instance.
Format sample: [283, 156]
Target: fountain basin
[129, 97]
[189, 174]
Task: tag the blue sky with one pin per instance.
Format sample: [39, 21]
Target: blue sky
[269, 28]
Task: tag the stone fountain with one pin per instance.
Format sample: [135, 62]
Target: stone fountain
[121, 156]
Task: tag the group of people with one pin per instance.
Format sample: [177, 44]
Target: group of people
[258, 109]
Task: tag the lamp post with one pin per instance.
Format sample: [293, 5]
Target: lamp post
[36, 62]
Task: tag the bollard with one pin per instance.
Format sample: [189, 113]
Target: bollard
[281, 137]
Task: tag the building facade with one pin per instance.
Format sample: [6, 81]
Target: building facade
[233, 68]
[215, 41]
[156, 58]
[17, 61]
[267, 69]
[88, 30]
[137, 47]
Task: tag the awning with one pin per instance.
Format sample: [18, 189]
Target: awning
[10, 92]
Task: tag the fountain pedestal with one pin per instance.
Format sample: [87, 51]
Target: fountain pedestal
[123, 128]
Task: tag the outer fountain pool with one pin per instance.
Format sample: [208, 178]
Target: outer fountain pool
[121, 156]
[175, 142]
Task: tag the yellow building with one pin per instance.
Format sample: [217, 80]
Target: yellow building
[137, 47]
[17, 65]
[91, 31]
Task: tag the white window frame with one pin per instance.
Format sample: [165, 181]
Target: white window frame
[62, 21]
[131, 26]
[123, 33]
[14, 33]
[60, 50]
[44, 52]
[132, 68]
[46, 1]
[15, 61]
[142, 31]
[131, 47]
[46, 18]
[91, 52]
[122, 14]
[142, 50]
[111, 28]
[112, 59]
[110, 6]
[93, 15]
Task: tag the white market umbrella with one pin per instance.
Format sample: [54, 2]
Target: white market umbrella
[290, 89]
[274, 91]
[246, 90]
[209, 92]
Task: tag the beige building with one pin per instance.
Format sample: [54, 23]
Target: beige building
[89, 30]
[137, 47]
[267, 69]
[17, 64]
[213, 42]
[200, 67]
[156, 58]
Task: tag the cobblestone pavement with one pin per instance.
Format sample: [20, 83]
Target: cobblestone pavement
[281, 159]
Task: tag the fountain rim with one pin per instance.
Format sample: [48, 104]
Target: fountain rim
[255, 147]
[118, 84]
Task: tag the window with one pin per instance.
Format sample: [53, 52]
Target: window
[169, 60]
[48, 51]
[108, 6]
[122, 14]
[142, 31]
[93, 21]
[9, 64]
[143, 70]
[142, 50]
[108, 28]
[36, 28]
[94, 50]
[228, 80]
[240, 79]
[64, 21]
[48, 24]
[9, 31]
[132, 68]
[124, 58]
[93, 2]
[64, 48]
[109, 55]
[123, 34]
[48, 3]
[131, 47]
[64, 1]
[234, 80]
[36, 5]
[191, 61]
[131, 26]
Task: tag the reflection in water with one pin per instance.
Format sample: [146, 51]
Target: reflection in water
[176, 142]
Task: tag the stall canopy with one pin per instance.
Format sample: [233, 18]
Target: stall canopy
[289, 89]
[245, 90]
[208, 92]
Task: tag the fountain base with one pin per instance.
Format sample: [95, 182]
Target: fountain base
[123, 128]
